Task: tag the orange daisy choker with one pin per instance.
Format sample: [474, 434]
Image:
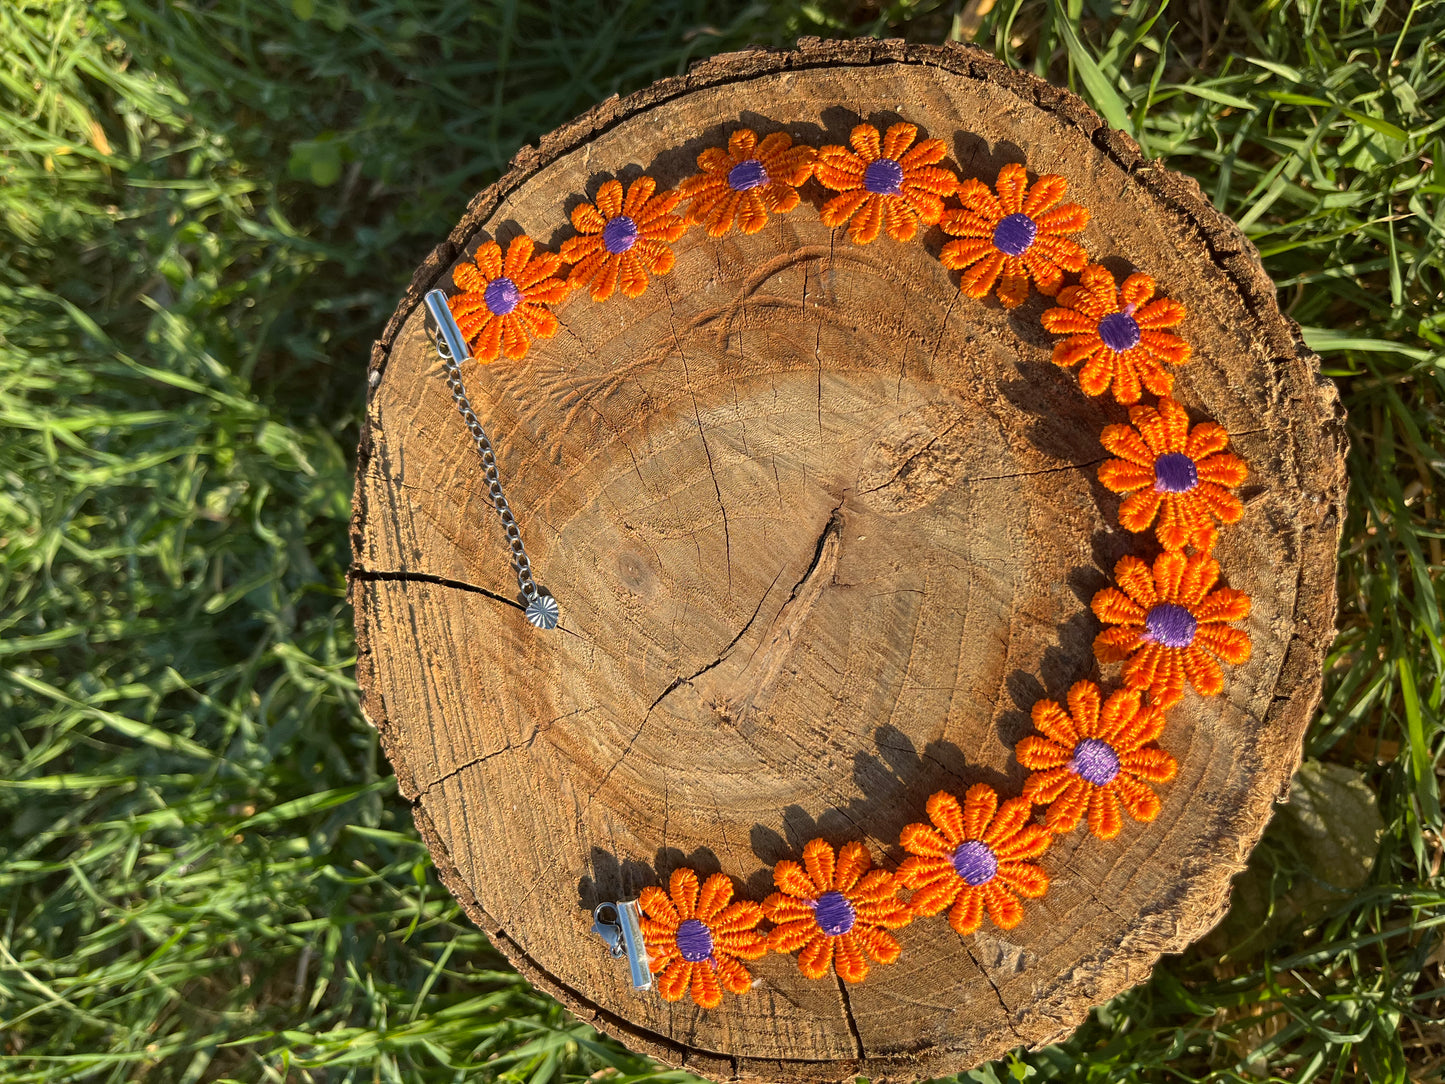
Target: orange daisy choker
[1167, 624]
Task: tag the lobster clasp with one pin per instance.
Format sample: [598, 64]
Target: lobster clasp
[620, 926]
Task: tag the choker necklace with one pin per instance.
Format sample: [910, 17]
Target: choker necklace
[1095, 758]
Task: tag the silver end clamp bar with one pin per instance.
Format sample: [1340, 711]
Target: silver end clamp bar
[620, 925]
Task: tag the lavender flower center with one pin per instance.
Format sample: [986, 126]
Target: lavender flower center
[883, 177]
[502, 296]
[748, 174]
[834, 913]
[1170, 625]
[1174, 472]
[974, 862]
[1094, 761]
[694, 941]
[1119, 331]
[619, 234]
[1013, 235]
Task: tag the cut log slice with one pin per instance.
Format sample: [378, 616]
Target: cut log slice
[822, 530]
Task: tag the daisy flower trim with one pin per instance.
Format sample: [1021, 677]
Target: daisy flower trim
[1118, 333]
[1169, 625]
[834, 909]
[504, 301]
[746, 182]
[1092, 759]
[973, 858]
[695, 937]
[1013, 235]
[1180, 475]
[622, 240]
[1095, 759]
[882, 183]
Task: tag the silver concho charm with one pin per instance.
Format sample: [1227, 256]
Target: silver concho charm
[542, 611]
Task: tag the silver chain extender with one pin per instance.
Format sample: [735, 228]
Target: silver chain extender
[541, 607]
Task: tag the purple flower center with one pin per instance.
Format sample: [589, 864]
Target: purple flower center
[1170, 625]
[1119, 331]
[1174, 472]
[1094, 761]
[975, 862]
[883, 177]
[502, 296]
[694, 941]
[834, 913]
[619, 234]
[1013, 235]
[748, 174]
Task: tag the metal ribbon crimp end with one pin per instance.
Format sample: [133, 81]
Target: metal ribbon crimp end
[620, 925]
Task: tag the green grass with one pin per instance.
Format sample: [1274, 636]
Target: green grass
[210, 208]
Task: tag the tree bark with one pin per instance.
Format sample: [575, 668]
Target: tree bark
[822, 531]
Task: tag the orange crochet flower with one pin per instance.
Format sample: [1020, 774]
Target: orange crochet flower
[1096, 760]
[1018, 235]
[1165, 464]
[1118, 333]
[1168, 623]
[696, 937]
[505, 303]
[884, 182]
[746, 181]
[622, 240]
[835, 911]
[973, 858]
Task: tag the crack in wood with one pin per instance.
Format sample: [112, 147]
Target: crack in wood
[1007, 1012]
[702, 434]
[848, 1015]
[805, 593]
[818, 335]
[723, 654]
[616, 763]
[938, 342]
[924, 754]
[760, 673]
[999, 477]
[509, 747]
[832, 529]
[1031, 473]
[368, 575]
[903, 463]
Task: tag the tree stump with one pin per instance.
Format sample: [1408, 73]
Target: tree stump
[822, 530]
